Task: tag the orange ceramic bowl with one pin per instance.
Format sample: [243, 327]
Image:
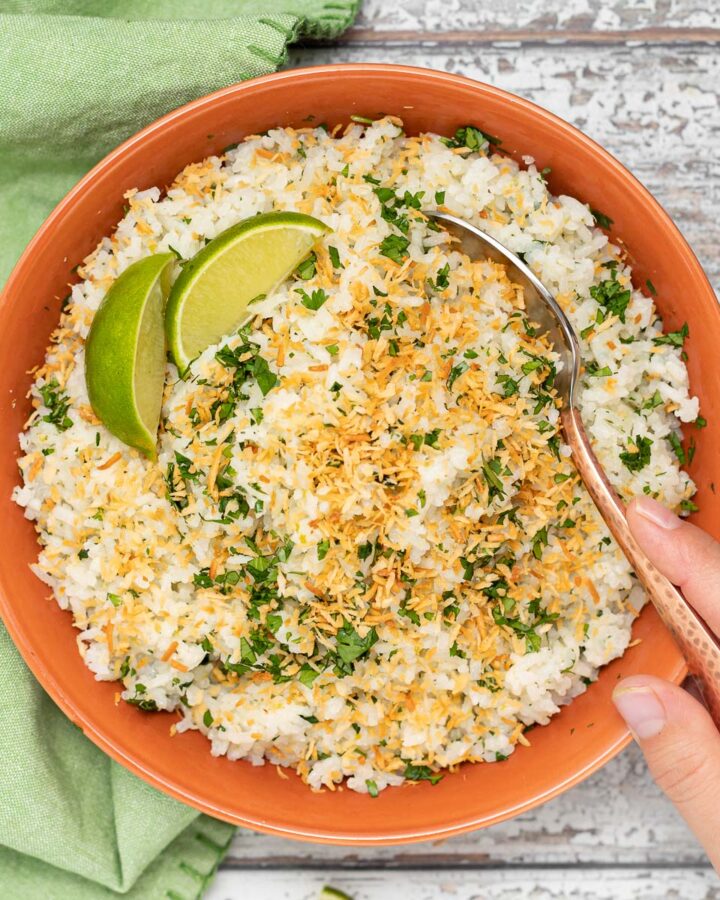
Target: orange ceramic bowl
[585, 734]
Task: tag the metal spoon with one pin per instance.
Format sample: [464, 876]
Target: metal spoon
[696, 641]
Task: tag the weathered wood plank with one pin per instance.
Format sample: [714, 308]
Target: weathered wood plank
[666, 36]
[581, 17]
[616, 817]
[517, 884]
[654, 108]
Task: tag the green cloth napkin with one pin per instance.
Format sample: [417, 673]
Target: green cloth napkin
[79, 76]
[76, 78]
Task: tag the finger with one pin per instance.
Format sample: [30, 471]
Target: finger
[682, 749]
[685, 554]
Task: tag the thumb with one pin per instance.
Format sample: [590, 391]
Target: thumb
[686, 555]
[682, 749]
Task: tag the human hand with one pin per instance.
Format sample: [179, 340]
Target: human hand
[675, 732]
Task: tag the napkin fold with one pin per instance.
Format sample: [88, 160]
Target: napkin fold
[76, 78]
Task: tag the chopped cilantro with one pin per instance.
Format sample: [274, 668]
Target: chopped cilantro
[594, 370]
[408, 613]
[312, 301]
[421, 773]
[655, 401]
[611, 295]
[266, 379]
[601, 219]
[57, 403]
[472, 137]
[142, 703]
[442, 278]
[350, 647]
[673, 338]
[335, 258]
[455, 373]
[307, 675]
[394, 247]
[371, 787]
[539, 541]
[322, 548]
[246, 363]
[306, 269]
[677, 447]
[491, 472]
[365, 550]
[638, 457]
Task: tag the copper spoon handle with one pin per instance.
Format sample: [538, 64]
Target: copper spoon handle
[693, 637]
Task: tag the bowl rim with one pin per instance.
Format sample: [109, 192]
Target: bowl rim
[24, 643]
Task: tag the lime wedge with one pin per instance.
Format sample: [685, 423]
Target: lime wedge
[211, 295]
[125, 353]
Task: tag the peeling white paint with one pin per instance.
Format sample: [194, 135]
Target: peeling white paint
[529, 884]
[575, 15]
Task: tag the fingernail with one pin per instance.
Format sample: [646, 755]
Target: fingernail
[642, 710]
[656, 513]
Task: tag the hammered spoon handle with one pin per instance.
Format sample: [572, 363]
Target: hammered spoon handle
[697, 643]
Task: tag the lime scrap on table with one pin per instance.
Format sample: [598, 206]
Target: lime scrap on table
[125, 353]
[331, 893]
[210, 297]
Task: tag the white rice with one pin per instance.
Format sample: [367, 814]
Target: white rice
[343, 455]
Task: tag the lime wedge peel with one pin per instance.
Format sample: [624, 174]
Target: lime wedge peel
[125, 353]
[210, 297]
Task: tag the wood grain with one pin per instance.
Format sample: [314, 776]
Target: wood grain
[479, 37]
[509, 884]
[615, 818]
[583, 18]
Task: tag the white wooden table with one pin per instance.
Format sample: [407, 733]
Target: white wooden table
[643, 78]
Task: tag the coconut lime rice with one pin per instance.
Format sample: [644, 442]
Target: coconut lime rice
[363, 551]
